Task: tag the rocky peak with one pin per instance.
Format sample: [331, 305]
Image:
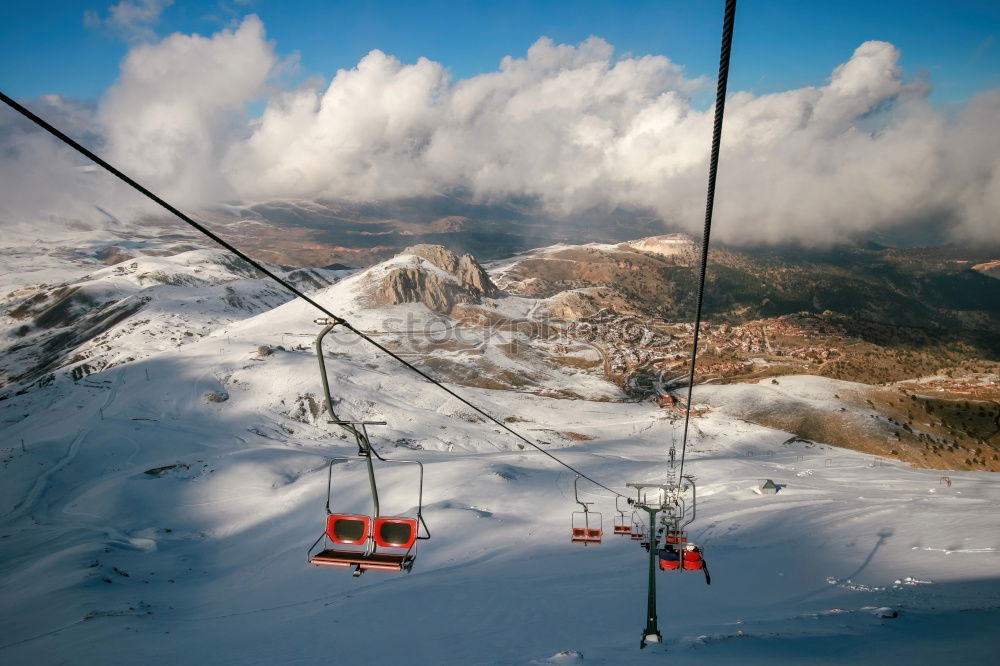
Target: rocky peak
[457, 280]
[438, 255]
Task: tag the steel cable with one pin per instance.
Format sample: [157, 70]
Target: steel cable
[339, 320]
[713, 168]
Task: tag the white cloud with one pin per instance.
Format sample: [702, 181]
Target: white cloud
[577, 128]
[46, 185]
[132, 20]
[571, 126]
[178, 104]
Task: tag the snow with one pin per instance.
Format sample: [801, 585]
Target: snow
[500, 266]
[205, 562]
[790, 392]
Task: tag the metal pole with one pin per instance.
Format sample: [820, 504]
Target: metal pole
[651, 634]
[329, 485]
[322, 370]
[327, 327]
[371, 470]
[361, 436]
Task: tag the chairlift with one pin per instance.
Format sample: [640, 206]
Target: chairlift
[675, 537]
[672, 554]
[678, 552]
[692, 558]
[669, 558]
[637, 528]
[622, 525]
[644, 538]
[374, 541]
[586, 524]
[364, 541]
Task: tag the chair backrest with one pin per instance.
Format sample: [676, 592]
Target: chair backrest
[692, 559]
[669, 559]
[395, 532]
[348, 528]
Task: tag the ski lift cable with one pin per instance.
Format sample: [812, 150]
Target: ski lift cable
[255, 264]
[720, 107]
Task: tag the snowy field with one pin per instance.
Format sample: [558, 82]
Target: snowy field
[205, 562]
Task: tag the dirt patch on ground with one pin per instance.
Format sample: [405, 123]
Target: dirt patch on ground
[925, 431]
[945, 429]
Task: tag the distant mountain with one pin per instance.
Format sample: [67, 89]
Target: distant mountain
[905, 288]
[594, 321]
[319, 233]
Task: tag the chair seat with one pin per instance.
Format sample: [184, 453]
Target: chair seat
[343, 558]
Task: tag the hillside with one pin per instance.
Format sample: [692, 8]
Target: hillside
[561, 321]
[132, 309]
[170, 516]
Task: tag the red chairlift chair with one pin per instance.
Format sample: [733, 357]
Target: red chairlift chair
[357, 540]
[670, 559]
[693, 560]
[621, 525]
[671, 555]
[637, 528]
[675, 537]
[585, 525]
[386, 543]
[678, 554]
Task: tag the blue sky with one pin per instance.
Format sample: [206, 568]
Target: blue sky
[813, 153]
[48, 48]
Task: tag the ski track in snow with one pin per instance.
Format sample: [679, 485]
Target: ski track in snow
[71, 452]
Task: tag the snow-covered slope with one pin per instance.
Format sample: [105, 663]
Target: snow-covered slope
[133, 309]
[161, 510]
[479, 345]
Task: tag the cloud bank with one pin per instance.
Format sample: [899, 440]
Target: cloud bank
[572, 127]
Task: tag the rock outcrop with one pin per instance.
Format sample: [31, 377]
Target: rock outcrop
[579, 304]
[456, 280]
[667, 245]
[452, 224]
